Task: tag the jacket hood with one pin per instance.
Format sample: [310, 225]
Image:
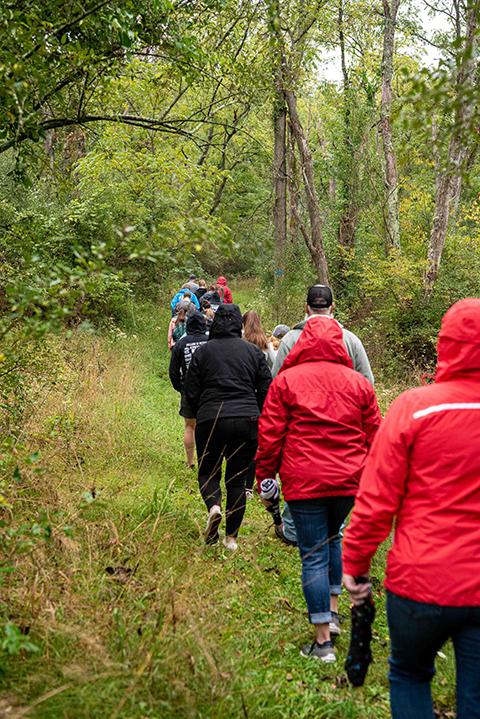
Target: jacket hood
[222, 281]
[459, 341]
[227, 322]
[321, 340]
[196, 324]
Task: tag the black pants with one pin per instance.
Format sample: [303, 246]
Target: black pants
[234, 439]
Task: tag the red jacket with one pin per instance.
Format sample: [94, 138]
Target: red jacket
[227, 294]
[424, 469]
[319, 418]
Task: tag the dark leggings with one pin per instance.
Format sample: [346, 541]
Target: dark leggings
[234, 439]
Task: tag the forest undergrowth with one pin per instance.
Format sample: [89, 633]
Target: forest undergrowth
[117, 607]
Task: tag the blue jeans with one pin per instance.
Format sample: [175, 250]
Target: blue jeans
[317, 525]
[417, 633]
[288, 523]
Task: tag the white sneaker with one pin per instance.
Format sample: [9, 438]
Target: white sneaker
[214, 519]
[230, 543]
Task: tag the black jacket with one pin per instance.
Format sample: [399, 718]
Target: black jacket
[228, 377]
[184, 349]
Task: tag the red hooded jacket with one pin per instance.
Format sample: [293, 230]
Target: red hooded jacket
[227, 294]
[319, 418]
[424, 469]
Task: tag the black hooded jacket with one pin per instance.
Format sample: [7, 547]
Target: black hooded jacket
[184, 349]
[228, 377]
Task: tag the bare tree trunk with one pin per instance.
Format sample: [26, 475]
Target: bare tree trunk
[315, 246]
[392, 222]
[280, 179]
[349, 218]
[293, 189]
[449, 181]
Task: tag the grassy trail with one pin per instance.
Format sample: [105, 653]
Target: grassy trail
[133, 615]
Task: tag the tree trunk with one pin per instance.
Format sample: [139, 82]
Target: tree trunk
[449, 181]
[392, 222]
[349, 217]
[315, 246]
[280, 181]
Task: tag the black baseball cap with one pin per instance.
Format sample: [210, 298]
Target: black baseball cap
[319, 297]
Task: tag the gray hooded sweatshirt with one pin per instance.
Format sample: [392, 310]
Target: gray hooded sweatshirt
[353, 344]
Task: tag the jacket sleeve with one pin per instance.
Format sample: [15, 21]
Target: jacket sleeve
[272, 430]
[228, 295]
[361, 363]
[193, 382]
[195, 301]
[174, 301]
[381, 491]
[263, 379]
[371, 416]
[285, 346]
[174, 369]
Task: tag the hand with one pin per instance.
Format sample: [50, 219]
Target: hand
[358, 591]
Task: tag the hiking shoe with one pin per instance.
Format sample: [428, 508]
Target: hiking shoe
[323, 652]
[334, 625]
[214, 519]
[230, 543]
[281, 535]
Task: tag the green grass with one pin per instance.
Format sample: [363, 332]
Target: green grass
[178, 629]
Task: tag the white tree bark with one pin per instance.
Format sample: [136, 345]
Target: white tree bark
[392, 222]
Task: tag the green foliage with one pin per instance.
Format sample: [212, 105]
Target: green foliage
[15, 641]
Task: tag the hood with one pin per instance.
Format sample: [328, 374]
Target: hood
[227, 322]
[321, 340]
[222, 281]
[459, 341]
[196, 324]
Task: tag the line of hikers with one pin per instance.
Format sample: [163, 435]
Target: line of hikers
[312, 418]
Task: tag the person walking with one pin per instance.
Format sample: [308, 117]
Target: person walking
[253, 332]
[224, 291]
[317, 425]
[202, 288]
[319, 303]
[192, 284]
[278, 334]
[183, 294]
[225, 386]
[424, 473]
[180, 328]
[182, 354]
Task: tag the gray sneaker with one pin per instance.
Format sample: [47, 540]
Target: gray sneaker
[334, 625]
[324, 652]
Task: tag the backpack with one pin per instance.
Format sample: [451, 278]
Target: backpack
[179, 331]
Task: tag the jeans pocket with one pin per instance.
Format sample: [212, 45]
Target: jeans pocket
[415, 610]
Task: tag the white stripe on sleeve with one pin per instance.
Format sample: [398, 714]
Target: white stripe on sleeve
[445, 408]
